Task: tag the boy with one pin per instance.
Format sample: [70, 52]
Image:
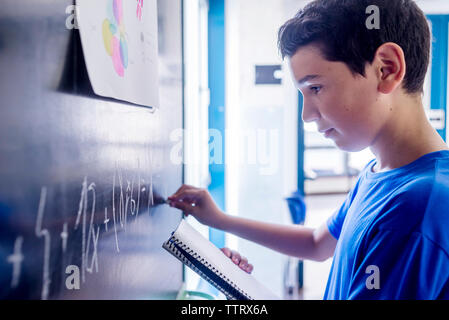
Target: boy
[363, 87]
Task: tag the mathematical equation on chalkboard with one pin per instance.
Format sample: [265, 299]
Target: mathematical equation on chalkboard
[128, 199]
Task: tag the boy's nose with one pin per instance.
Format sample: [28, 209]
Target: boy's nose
[310, 113]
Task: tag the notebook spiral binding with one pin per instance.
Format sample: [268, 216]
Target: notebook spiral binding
[171, 244]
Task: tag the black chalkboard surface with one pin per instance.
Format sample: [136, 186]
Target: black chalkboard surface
[79, 174]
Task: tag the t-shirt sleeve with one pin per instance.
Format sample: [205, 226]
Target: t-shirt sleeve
[400, 266]
[335, 222]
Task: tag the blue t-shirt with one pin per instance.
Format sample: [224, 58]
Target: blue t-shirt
[393, 234]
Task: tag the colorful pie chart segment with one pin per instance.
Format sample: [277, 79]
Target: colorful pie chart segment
[114, 37]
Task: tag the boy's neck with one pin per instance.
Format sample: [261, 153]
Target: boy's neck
[406, 137]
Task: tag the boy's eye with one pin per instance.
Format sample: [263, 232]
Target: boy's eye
[315, 89]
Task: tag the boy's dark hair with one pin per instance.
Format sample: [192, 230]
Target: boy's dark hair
[339, 28]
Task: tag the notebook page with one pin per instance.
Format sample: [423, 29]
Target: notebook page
[194, 240]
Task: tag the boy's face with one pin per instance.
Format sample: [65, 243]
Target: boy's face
[347, 108]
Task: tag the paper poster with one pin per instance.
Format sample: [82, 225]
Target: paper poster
[120, 45]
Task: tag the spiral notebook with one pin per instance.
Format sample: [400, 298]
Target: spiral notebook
[199, 254]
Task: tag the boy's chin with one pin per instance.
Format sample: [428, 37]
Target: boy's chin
[350, 145]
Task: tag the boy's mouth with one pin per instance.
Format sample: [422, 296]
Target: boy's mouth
[327, 132]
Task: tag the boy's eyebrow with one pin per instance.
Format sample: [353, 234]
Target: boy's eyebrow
[308, 78]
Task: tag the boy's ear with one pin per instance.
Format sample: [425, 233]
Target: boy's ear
[390, 67]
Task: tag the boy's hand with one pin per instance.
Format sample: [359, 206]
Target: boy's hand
[242, 262]
[199, 203]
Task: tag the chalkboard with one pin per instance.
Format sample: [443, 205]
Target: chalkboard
[80, 175]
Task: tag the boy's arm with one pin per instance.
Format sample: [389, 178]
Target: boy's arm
[299, 241]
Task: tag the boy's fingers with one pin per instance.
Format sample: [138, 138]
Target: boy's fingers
[177, 191]
[188, 195]
[183, 206]
[182, 188]
[243, 263]
[226, 251]
[181, 203]
[236, 257]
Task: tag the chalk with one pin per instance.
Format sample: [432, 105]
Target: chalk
[167, 201]
[160, 200]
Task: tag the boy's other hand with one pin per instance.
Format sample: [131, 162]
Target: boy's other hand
[199, 203]
[242, 262]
